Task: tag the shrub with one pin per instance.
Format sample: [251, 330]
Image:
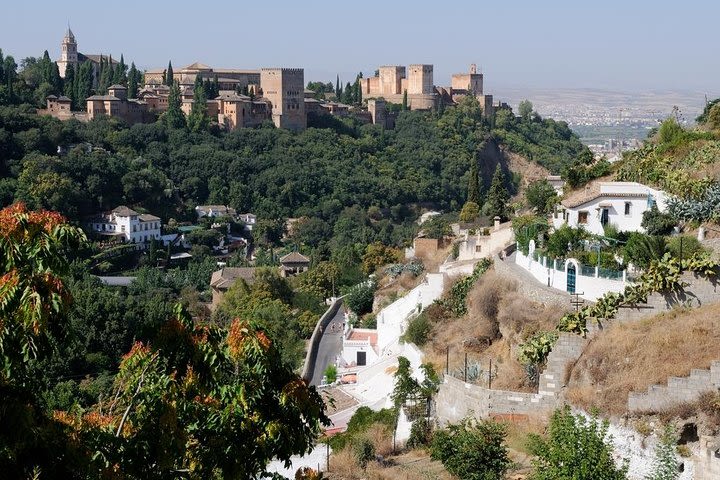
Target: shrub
[470, 212]
[418, 330]
[331, 373]
[541, 196]
[420, 433]
[684, 247]
[642, 249]
[364, 452]
[557, 243]
[360, 298]
[472, 450]
[576, 447]
[665, 464]
[656, 222]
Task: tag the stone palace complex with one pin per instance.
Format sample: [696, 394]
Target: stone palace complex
[268, 94]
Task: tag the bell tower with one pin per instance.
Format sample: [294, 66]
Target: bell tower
[68, 53]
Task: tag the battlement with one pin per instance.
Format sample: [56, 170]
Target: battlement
[283, 70]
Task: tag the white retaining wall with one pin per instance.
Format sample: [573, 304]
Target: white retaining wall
[392, 320]
[590, 288]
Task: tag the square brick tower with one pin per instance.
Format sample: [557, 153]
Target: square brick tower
[284, 88]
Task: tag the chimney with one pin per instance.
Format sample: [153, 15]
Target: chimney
[496, 222]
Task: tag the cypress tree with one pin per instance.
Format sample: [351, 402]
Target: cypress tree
[169, 76]
[47, 68]
[111, 71]
[10, 72]
[164, 77]
[2, 70]
[105, 77]
[55, 79]
[338, 88]
[474, 183]
[404, 100]
[174, 116]
[215, 88]
[198, 119]
[133, 81]
[120, 76]
[348, 94]
[84, 83]
[71, 85]
[498, 196]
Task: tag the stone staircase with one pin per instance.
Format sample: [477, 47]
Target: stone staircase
[568, 349]
[678, 390]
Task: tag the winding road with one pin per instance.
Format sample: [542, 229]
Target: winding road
[329, 347]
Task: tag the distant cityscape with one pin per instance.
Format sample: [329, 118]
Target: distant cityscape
[610, 121]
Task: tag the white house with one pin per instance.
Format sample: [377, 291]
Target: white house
[617, 203]
[126, 224]
[557, 183]
[213, 211]
[248, 219]
[359, 347]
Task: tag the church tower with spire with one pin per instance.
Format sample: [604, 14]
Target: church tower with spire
[69, 53]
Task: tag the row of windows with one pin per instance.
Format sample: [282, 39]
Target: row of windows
[583, 215]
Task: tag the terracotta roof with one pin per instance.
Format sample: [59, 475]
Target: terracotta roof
[146, 217]
[226, 277]
[197, 66]
[295, 257]
[569, 204]
[63, 98]
[124, 211]
[117, 87]
[51, 97]
[363, 336]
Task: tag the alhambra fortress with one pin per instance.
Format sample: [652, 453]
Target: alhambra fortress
[276, 94]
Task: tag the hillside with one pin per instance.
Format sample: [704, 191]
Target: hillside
[684, 162]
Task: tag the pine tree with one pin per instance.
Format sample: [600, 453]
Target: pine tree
[169, 77]
[405, 101]
[498, 196]
[474, 183]
[174, 116]
[133, 75]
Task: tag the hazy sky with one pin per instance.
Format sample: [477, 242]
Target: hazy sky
[627, 45]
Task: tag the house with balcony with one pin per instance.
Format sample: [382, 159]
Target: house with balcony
[126, 225]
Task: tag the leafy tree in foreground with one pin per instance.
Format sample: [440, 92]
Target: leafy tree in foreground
[576, 448]
[472, 450]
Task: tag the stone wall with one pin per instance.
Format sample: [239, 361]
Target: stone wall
[678, 390]
[707, 462]
[457, 399]
[701, 290]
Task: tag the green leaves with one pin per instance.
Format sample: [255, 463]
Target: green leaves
[472, 449]
[455, 301]
[575, 448]
[534, 350]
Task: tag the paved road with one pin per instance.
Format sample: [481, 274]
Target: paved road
[329, 347]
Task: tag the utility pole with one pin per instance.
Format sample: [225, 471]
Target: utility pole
[447, 360]
[465, 367]
[490, 376]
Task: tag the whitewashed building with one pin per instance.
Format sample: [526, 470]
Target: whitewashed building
[359, 347]
[248, 219]
[621, 204]
[126, 224]
[213, 211]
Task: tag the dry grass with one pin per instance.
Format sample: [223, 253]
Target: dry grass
[412, 465]
[633, 356]
[499, 318]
